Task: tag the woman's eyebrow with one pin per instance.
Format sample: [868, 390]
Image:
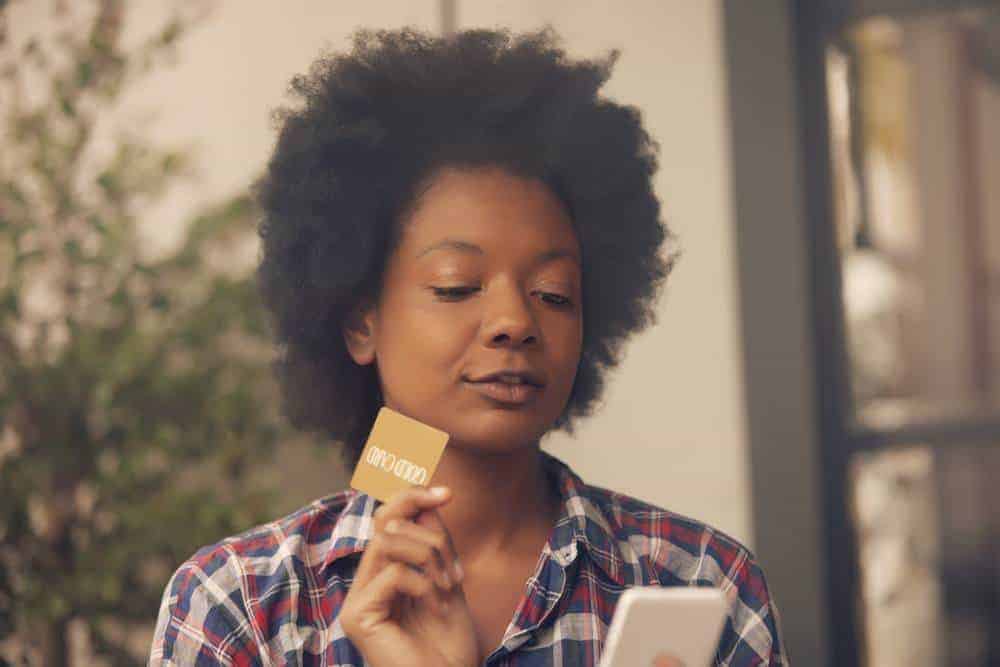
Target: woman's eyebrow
[465, 246]
[453, 244]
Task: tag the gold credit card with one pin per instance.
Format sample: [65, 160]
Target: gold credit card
[400, 452]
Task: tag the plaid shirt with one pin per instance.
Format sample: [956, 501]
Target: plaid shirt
[271, 595]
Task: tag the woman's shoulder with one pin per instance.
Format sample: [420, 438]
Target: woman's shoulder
[680, 549]
[235, 596]
[257, 553]
[676, 550]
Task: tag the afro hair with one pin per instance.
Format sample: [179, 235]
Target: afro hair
[374, 127]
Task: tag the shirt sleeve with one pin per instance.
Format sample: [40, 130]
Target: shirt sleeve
[202, 619]
[752, 633]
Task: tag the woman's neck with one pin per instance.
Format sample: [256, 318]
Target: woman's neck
[500, 503]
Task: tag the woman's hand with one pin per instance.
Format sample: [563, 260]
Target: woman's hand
[406, 605]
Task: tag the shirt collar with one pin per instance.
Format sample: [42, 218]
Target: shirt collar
[354, 527]
[581, 522]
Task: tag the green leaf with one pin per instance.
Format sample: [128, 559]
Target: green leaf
[159, 302]
[12, 191]
[73, 249]
[84, 73]
[67, 107]
[24, 258]
[171, 33]
[108, 182]
[31, 47]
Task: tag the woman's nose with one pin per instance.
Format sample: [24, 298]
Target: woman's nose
[509, 320]
[512, 337]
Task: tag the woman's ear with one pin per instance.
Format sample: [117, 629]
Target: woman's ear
[359, 333]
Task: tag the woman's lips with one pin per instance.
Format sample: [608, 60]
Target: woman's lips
[512, 394]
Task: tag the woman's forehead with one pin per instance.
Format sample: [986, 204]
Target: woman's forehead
[473, 210]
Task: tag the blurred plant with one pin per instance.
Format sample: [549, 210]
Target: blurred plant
[135, 392]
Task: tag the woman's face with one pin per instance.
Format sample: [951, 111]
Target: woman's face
[486, 278]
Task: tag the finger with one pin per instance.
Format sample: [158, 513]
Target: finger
[431, 520]
[437, 539]
[395, 580]
[402, 505]
[665, 660]
[397, 547]
[408, 503]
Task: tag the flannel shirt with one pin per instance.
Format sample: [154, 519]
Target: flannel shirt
[271, 595]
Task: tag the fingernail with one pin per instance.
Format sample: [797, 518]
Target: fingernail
[459, 573]
[391, 526]
[439, 491]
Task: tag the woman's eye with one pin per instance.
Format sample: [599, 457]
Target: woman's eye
[457, 293]
[453, 293]
[555, 299]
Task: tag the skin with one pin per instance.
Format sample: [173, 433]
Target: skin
[486, 276]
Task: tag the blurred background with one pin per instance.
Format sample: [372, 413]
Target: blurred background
[822, 385]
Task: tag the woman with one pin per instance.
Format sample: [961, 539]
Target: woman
[463, 230]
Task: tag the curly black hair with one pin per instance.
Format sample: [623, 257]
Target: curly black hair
[376, 126]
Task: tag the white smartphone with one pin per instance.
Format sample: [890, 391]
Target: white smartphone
[683, 622]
